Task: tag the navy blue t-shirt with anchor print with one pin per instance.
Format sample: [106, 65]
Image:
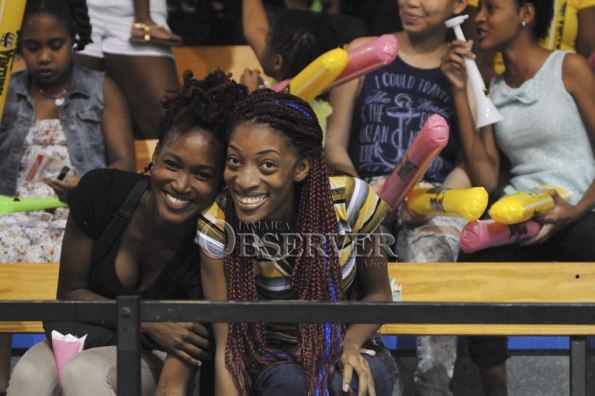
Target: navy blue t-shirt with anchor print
[394, 103]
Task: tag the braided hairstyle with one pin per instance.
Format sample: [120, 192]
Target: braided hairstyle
[315, 277]
[300, 37]
[73, 13]
[205, 104]
[544, 12]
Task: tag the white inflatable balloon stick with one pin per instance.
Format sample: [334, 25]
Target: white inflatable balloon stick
[486, 111]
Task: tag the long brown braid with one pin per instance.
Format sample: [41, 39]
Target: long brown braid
[205, 104]
[314, 276]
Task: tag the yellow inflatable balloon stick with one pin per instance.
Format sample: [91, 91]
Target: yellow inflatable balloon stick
[11, 17]
[518, 207]
[313, 80]
[468, 203]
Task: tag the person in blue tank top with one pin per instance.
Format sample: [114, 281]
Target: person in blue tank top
[375, 120]
[546, 99]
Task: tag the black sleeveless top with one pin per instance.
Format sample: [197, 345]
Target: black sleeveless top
[394, 103]
[93, 203]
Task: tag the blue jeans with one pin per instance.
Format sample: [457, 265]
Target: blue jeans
[290, 380]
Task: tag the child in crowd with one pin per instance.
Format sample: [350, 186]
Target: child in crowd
[278, 183]
[295, 40]
[131, 234]
[375, 120]
[60, 110]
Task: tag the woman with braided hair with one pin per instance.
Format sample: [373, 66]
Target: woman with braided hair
[131, 234]
[282, 200]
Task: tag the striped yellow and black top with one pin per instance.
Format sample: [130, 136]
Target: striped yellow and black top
[359, 211]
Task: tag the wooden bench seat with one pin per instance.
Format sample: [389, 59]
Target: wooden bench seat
[420, 282]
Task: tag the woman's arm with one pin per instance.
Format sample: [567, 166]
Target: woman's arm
[215, 288]
[579, 80]
[256, 26]
[458, 177]
[117, 129]
[342, 99]
[338, 131]
[372, 270]
[75, 265]
[480, 153]
[585, 38]
[176, 377]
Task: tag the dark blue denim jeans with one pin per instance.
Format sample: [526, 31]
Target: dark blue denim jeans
[290, 379]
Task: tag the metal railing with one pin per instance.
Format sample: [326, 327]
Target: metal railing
[128, 312]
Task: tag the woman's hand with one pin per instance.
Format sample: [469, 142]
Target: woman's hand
[453, 63]
[352, 360]
[190, 342]
[61, 187]
[554, 220]
[409, 216]
[251, 79]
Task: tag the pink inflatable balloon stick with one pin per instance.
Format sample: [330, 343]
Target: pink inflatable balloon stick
[428, 143]
[368, 57]
[280, 85]
[362, 60]
[482, 234]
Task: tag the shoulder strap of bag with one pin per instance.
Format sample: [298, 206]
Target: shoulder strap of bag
[120, 219]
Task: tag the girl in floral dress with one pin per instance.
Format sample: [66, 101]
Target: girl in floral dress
[60, 110]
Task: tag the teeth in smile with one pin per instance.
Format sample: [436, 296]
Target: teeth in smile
[175, 200]
[251, 200]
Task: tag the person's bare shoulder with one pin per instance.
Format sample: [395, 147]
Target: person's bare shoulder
[359, 42]
[576, 72]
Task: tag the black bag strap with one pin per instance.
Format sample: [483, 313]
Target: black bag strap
[119, 221]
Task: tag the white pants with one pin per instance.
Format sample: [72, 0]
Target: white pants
[92, 372]
[111, 31]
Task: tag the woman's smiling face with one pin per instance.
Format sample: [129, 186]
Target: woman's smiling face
[186, 175]
[261, 170]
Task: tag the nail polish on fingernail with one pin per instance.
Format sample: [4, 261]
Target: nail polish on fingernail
[346, 388]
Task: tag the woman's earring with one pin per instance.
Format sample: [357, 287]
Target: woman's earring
[148, 169]
[523, 23]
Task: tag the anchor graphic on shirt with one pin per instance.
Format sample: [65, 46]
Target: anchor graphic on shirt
[405, 113]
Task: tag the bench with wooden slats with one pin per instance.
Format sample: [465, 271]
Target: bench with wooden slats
[421, 282]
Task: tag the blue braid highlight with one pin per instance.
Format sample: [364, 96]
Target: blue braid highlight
[295, 107]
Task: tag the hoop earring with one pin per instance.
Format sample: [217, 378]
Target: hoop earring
[523, 23]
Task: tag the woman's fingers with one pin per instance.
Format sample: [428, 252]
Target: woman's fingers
[347, 373]
[362, 370]
[188, 359]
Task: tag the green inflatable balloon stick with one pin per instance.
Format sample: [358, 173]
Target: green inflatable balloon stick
[13, 204]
